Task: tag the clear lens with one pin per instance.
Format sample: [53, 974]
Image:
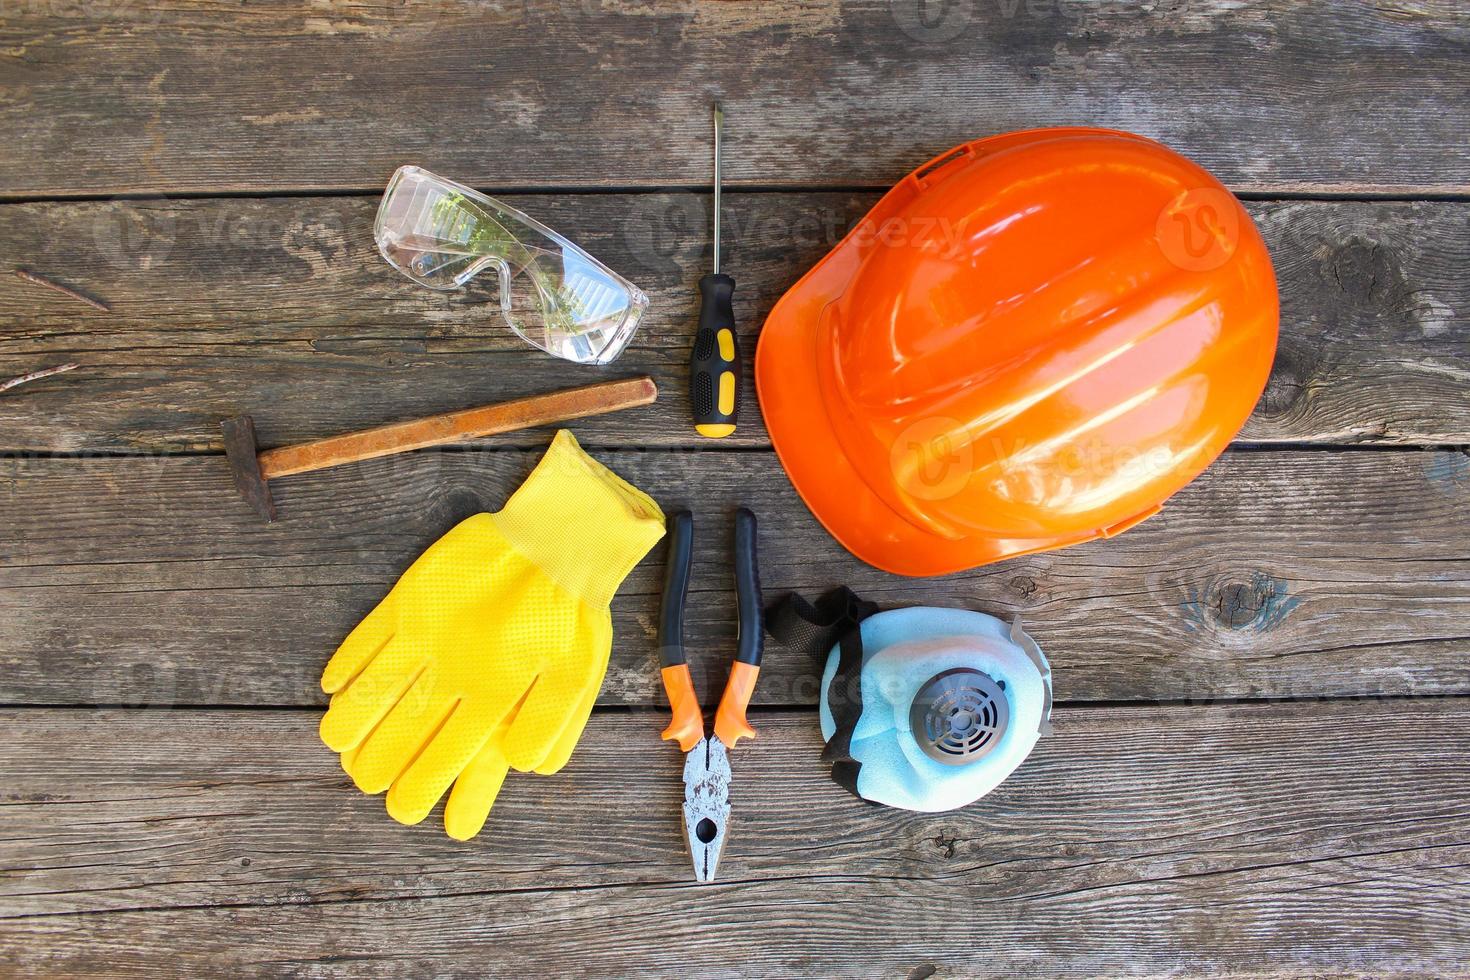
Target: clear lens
[552, 293]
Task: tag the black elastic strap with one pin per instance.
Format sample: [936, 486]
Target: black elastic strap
[815, 629]
[833, 621]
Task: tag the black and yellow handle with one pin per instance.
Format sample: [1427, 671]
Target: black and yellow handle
[714, 370]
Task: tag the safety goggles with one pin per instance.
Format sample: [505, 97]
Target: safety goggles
[552, 293]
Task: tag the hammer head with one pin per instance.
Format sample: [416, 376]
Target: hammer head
[245, 465]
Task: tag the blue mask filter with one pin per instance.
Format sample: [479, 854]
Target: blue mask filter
[922, 708]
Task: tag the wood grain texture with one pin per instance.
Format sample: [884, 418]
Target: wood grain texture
[1279, 96]
[282, 309]
[147, 581]
[1327, 834]
[1270, 840]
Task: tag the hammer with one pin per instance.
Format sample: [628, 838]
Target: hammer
[253, 469]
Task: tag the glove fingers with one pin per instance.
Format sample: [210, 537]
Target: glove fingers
[363, 644]
[414, 793]
[362, 704]
[407, 729]
[567, 740]
[553, 702]
[348, 757]
[475, 790]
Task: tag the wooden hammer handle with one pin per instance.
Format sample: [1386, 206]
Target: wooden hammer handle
[471, 423]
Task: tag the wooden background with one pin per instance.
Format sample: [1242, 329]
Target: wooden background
[1262, 754]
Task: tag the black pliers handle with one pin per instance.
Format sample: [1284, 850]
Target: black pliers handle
[731, 725]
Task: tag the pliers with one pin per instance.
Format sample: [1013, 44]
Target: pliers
[706, 763]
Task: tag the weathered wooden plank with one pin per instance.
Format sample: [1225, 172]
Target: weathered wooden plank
[1283, 839]
[104, 99]
[1277, 574]
[282, 308]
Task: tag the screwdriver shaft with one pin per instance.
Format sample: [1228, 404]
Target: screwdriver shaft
[719, 118]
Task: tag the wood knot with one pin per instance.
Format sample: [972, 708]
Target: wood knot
[457, 504]
[1259, 604]
[1369, 274]
[1024, 585]
[945, 845]
[1289, 384]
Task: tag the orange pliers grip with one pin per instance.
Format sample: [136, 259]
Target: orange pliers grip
[730, 722]
[687, 726]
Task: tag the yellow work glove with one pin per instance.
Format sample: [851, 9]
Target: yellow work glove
[479, 784]
[489, 652]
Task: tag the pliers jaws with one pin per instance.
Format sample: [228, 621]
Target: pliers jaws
[706, 804]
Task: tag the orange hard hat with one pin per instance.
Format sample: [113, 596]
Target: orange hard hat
[1032, 340]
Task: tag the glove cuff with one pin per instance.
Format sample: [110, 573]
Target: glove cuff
[584, 525]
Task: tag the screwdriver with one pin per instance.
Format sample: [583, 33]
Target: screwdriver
[714, 368]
